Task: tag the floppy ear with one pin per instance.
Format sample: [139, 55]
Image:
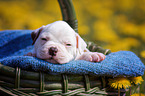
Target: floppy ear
[35, 34]
[80, 44]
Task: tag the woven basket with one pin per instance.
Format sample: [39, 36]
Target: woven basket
[17, 82]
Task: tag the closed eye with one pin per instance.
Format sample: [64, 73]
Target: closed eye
[44, 39]
[68, 44]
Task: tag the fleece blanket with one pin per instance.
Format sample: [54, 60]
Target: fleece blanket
[15, 43]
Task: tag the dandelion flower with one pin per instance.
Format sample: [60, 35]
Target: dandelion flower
[142, 54]
[136, 80]
[138, 94]
[119, 82]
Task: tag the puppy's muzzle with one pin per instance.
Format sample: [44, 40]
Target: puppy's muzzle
[53, 51]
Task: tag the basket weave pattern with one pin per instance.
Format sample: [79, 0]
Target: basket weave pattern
[21, 82]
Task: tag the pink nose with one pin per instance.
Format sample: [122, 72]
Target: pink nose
[53, 51]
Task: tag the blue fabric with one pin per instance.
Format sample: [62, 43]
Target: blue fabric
[13, 44]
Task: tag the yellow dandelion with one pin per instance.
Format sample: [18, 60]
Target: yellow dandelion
[136, 80]
[119, 82]
[138, 94]
[142, 54]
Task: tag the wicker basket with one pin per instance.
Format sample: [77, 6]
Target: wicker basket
[17, 82]
[21, 82]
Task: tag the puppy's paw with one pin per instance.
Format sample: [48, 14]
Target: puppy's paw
[30, 54]
[92, 56]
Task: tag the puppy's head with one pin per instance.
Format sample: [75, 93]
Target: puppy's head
[57, 43]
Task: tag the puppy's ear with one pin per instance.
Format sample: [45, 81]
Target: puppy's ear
[80, 44]
[35, 34]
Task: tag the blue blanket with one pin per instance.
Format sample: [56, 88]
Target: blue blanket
[15, 43]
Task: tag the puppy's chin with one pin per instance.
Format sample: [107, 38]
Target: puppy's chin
[58, 59]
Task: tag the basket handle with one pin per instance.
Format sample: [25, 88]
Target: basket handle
[68, 13]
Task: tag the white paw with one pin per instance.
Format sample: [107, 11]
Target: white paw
[92, 56]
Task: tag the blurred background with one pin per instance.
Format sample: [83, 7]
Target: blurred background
[112, 24]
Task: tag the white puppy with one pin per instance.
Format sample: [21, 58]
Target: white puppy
[59, 43]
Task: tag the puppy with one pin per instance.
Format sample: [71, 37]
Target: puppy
[59, 43]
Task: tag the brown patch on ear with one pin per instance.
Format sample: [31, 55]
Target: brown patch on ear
[77, 41]
[80, 43]
[35, 34]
